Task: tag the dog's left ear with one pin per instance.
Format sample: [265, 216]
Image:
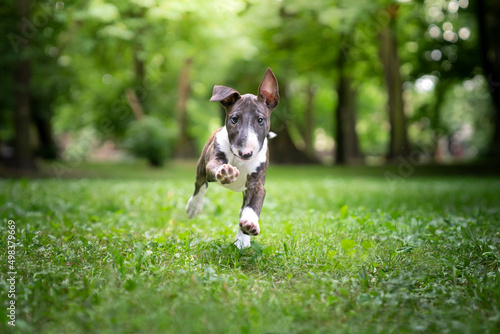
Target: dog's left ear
[225, 95]
[269, 90]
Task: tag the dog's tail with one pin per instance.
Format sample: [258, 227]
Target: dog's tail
[271, 135]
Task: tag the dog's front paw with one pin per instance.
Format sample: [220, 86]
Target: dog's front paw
[227, 174]
[249, 222]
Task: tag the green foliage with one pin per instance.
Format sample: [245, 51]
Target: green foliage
[85, 54]
[115, 255]
[149, 138]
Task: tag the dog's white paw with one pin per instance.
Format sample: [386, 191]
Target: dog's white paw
[249, 222]
[227, 174]
[194, 206]
[242, 240]
[195, 203]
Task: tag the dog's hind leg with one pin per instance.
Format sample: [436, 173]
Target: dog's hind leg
[195, 203]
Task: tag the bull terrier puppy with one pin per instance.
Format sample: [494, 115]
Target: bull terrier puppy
[236, 155]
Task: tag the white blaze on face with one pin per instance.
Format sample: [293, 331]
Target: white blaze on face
[253, 144]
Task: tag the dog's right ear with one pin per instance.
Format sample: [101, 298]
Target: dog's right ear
[225, 95]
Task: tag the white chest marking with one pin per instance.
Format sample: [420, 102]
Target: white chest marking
[245, 167]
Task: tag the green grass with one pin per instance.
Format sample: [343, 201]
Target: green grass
[337, 253]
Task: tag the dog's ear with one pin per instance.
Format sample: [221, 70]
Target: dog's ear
[269, 90]
[225, 95]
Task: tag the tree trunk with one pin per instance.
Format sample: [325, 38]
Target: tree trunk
[282, 149]
[388, 52]
[41, 118]
[185, 144]
[134, 104]
[136, 95]
[22, 75]
[488, 13]
[309, 123]
[139, 67]
[346, 139]
[435, 121]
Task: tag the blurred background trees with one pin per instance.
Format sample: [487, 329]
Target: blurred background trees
[361, 81]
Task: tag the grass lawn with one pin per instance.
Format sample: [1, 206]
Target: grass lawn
[339, 252]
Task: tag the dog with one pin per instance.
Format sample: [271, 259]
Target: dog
[236, 155]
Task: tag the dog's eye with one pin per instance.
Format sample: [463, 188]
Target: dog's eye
[260, 120]
[234, 120]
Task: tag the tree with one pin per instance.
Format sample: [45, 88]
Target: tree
[440, 48]
[488, 12]
[342, 22]
[347, 146]
[105, 62]
[22, 109]
[284, 148]
[308, 128]
[399, 144]
[185, 144]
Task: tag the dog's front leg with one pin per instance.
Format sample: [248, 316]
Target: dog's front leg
[249, 219]
[253, 199]
[220, 171]
[195, 203]
[216, 170]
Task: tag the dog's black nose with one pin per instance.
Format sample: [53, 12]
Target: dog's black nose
[246, 154]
